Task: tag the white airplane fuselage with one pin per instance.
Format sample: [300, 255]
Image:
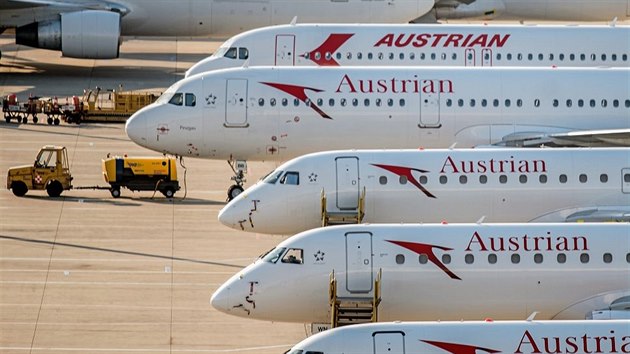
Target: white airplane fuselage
[502, 185]
[440, 272]
[275, 113]
[422, 45]
[522, 337]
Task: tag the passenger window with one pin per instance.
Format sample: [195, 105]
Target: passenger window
[469, 259]
[423, 258]
[615, 103]
[293, 256]
[561, 56]
[483, 179]
[433, 56]
[509, 56]
[538, 258]
[292, 178]
[231, 53]
[530, 56]
[569, 103]
[423, 179]
[369, 56]
[443, 179]
[320, 101]
[401, 56]
[355, 102]
[359, 55]
[563, 178]
[584, 258]
[492, 258]
[412, 56]
[454, 56]
[296, 102]
[472, 102]
[626, 178]
[484, 102]
[382, 180]
[627, 257]
[460, 102]
[583, 178]
[401, 102]
[402, 179]
[519, 103]
[243, 53]
[177, 99]
[498, 56]
[329, 56]
[380, 56]
[607, 258]
[603, 57]
[582, 57]
[342, 102]
[604, 103]
[516, 258]
[261, 102]
[463, 179]
[572, 57]
[495, 102]
[400, 259]
[446, 258]
[366, 102]
[541, 56]
[542, 179]
[390, 102]
[603, 178]
[348, 55]
[593, 56]
[391, 56]
[592, 102]
[561, 258]
[508, 103]
[580, 103]
[522, 178]
[627, 103]
[285, 102]
[503, 179]
[550, 56]
[331, 102]
[613, 57]
[556, 103]
[378, 102]
[449, 102]
[191, 100]
[536, 103]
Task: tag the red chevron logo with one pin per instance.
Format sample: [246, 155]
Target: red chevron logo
[330, 46]
[407, 172]
[459, 348]
[423, 248]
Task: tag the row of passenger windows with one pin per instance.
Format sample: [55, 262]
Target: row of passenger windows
[483, 179]
[572, 57]
[515, 258]
[390, 102]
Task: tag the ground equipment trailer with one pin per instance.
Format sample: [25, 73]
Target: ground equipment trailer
[111, 106]
[12, 109]
[141, 174]
[50, 172]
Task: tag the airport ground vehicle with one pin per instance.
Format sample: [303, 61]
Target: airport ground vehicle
[141, 174]
[50, 172]
[111, 106]
[13, 109]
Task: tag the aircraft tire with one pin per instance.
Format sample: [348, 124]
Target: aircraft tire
[234, 191]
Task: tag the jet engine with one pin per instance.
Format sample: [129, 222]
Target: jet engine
[87, 34]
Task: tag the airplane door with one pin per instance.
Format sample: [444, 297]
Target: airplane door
[470, 57]
[359, 262]
[486, 57]
[285, 50]
[625, 180]
[347, 183]
[236, 103]
[389, 342]
[429, 110]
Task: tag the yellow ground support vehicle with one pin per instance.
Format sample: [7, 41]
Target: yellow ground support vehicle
[50, 172]
[110, 106]
[141, 174]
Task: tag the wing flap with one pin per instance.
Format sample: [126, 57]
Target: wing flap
[584, 138]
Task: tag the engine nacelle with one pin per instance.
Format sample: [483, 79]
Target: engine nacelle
[83, 34]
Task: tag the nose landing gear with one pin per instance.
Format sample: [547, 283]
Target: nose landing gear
[239, 168]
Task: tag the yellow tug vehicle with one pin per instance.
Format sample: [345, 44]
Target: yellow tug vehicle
[50, 172]
[141, 174]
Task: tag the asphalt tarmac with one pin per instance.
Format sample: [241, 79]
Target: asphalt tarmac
[87, 273]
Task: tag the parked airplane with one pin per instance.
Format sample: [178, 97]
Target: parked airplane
[521, 337]
[547, 10]
[502, 185]
[93, 29]
[438, 272]
[425, 45]
[275, 113]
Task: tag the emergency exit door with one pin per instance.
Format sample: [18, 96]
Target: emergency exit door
[359, 262]
[285, 50]
[236, 103]
[429, 110]
[625, 180]
[389, 342]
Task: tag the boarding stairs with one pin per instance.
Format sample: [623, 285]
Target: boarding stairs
[353, 310]
[344, 216]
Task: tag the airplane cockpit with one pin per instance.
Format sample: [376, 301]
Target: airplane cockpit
[223, 57]
[282, 177]
[284, 255]
[241, 53]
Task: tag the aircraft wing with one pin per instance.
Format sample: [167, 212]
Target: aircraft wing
[582, 138]
[70, 4]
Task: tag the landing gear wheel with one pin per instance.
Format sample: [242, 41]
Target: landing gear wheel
[35, 120]
[234, 191]
[168, 192]
[24, 120]
[19, 188]
[56, 121]
[49, 121]
[115, 192]
[7, 119]
[54, 189]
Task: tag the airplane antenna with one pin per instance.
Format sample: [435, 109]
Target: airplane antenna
[481, 219]
[531, 317]
[613, 23]
[293, 21]
[452, 146]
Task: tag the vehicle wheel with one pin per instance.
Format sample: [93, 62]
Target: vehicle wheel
[56, 121]
[24, 120]
[49, 121]
[19, 188]
[234, 191]
[35, 120]
[54, 189]
[7, 119]
[168, 192]
[115, 192]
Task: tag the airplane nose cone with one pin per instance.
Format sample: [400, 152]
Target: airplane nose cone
[136, 128]
[220, 300]
[230, 216]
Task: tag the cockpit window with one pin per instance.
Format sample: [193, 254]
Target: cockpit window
[272, 177]
[243, 53]
[290, 178]
[230, 53]
[219, 53]
[293, 256]
[274, 255]
[191, 100]
[177, 99]
[294, 351]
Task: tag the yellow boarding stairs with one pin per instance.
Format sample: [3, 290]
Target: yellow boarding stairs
[353, 310]
[342, 217]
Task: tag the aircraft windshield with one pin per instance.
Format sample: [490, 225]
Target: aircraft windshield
[167, 95]
[220, 52]
[272, 177]
[274, 255]
[293, 256]
[300, 351]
